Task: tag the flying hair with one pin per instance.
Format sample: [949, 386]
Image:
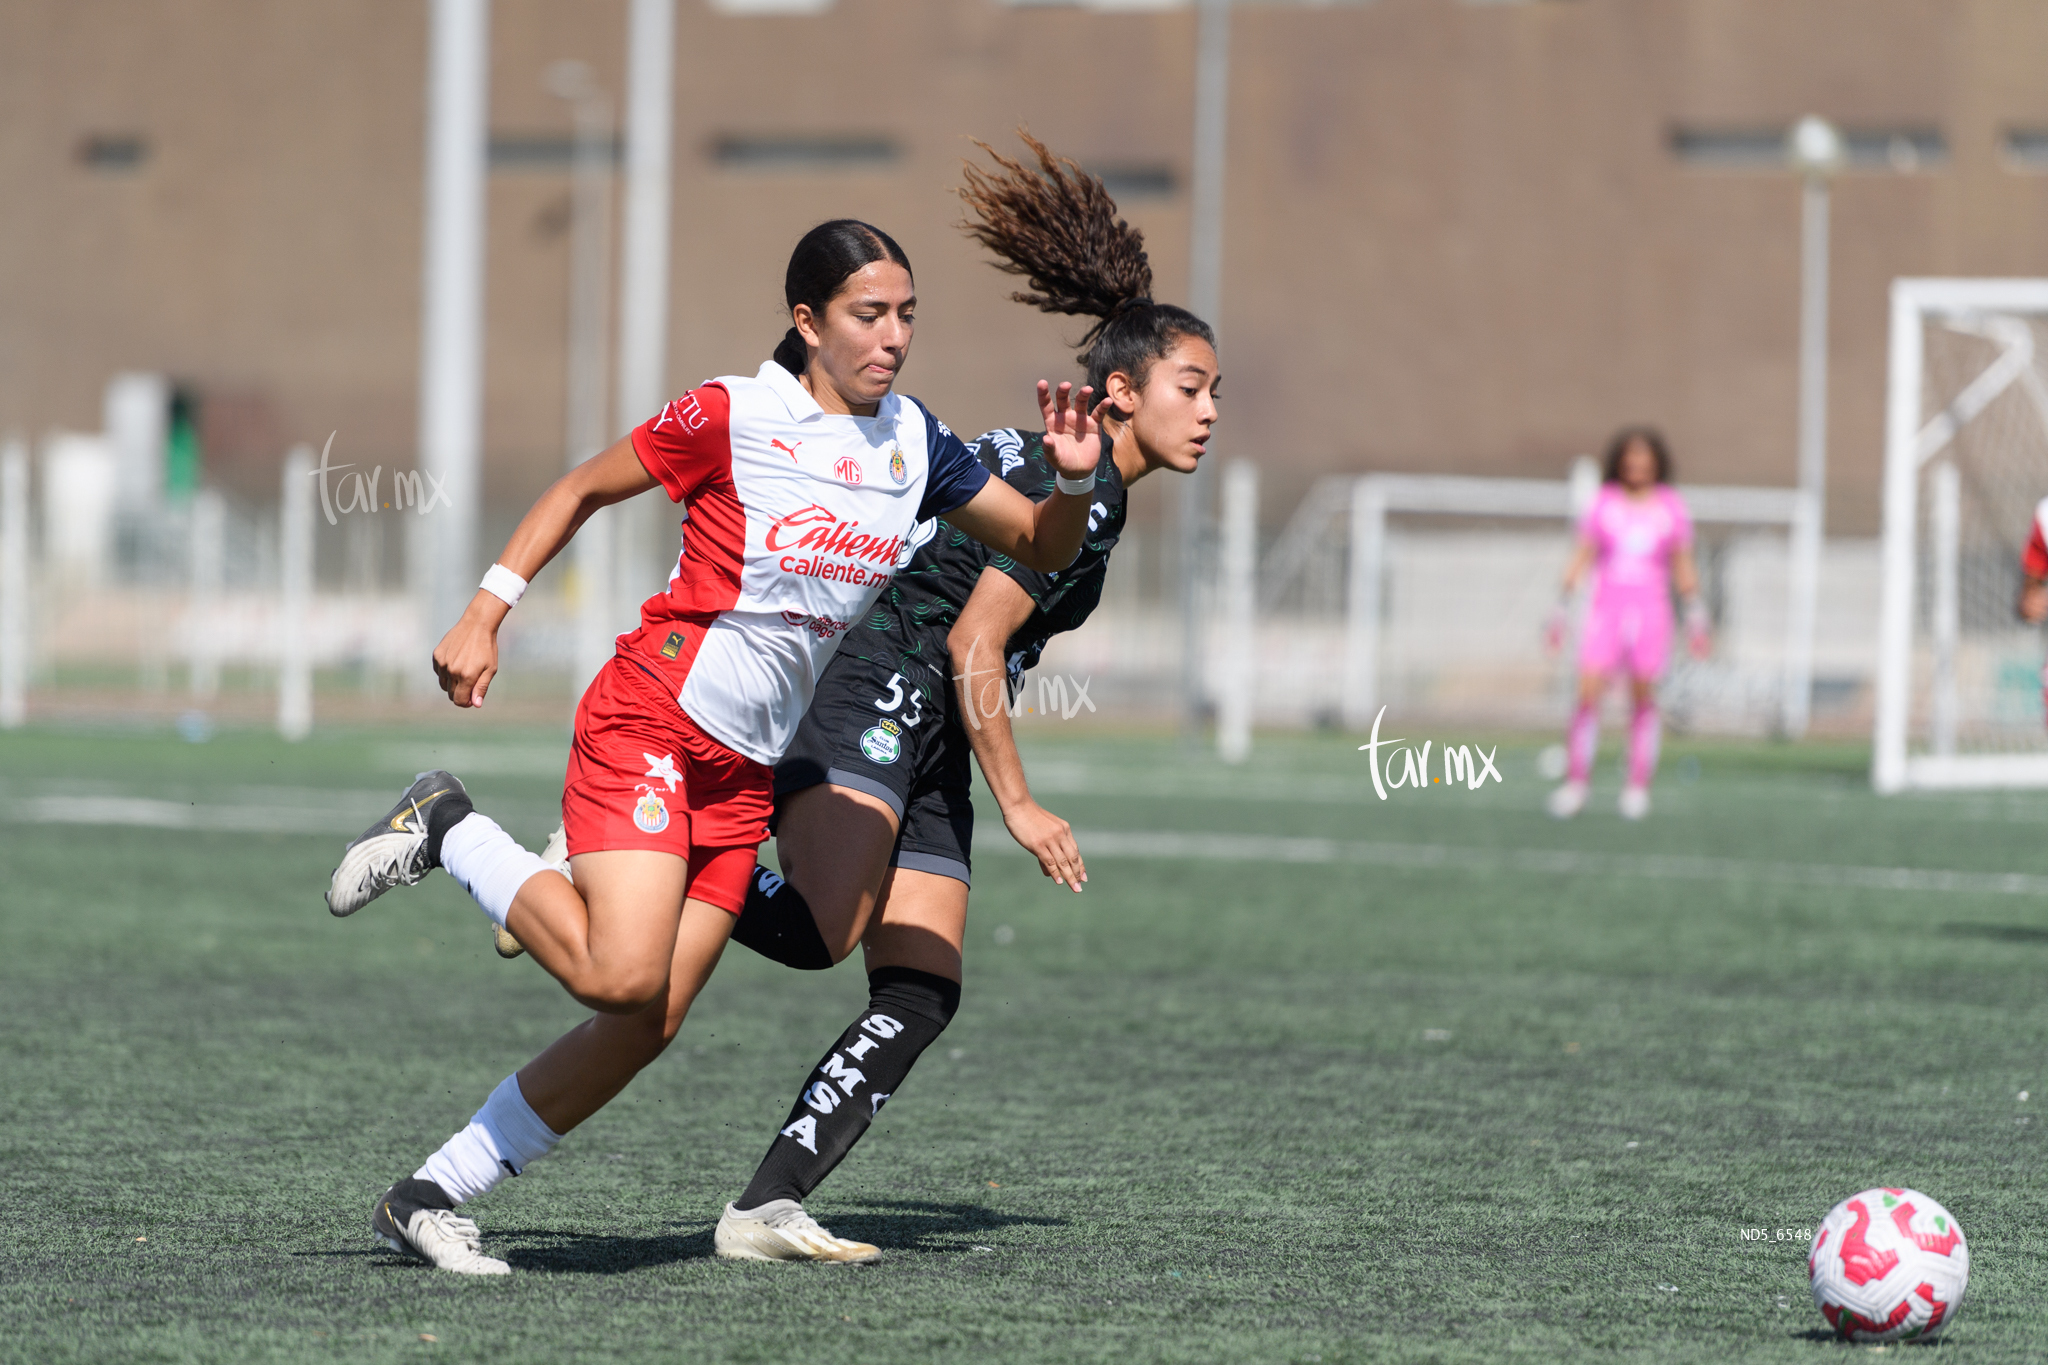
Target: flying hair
[1056, 225]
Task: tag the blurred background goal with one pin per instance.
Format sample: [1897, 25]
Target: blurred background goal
[1960, 686]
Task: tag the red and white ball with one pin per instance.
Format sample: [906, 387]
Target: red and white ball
[1889, 1265]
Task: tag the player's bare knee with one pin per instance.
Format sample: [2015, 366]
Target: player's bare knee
[841, 946]
[627, 990]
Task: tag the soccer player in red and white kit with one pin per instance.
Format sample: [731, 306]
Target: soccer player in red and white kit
[800, 487]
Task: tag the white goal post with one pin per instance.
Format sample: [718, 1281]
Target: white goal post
[1376, 495]
[1428, 593]
[1958, 697]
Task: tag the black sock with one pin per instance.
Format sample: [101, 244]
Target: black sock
[907, 1011]
[443, 815]
[776, 922]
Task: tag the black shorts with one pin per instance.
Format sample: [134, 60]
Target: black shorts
[877, 731]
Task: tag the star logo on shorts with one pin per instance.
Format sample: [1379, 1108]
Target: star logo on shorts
[663, 768]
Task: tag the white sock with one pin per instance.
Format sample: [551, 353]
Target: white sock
[503, 1139]
[488, 862]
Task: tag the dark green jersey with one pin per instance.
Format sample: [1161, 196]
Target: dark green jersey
[906, 628]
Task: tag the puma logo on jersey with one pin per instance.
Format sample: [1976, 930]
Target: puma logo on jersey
[787, 450]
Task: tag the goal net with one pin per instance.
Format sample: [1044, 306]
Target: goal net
[1427, 594]
[1966, 462]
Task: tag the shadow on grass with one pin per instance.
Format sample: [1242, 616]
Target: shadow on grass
[1825, 1337]
[1997, 933]
[909, 1224]
[893, 1224]
[596, 1253]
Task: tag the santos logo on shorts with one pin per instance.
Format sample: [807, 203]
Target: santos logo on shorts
[882, 742]
[650, 812]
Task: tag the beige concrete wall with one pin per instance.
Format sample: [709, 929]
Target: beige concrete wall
[1457, 237]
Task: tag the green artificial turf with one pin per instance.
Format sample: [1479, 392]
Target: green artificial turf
[1219, 1108]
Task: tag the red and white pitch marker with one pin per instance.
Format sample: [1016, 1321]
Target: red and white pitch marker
[1889, 1265]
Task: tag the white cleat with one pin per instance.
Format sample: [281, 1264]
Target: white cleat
[1635, 803]
[780, 1230]
[407, 1220]
[556, 856]
[392, 852]
[1566, 801]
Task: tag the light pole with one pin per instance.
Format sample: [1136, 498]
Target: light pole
[1205, 301]
[644, 249]
[441, 550]
[1814, 149]
[585, 422]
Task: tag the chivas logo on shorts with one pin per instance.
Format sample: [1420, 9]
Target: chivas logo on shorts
[650, 812]
[899, 469]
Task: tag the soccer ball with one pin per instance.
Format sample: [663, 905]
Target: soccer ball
[1889, 1265]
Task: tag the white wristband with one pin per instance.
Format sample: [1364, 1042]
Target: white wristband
[1074, 486]
[501, 583]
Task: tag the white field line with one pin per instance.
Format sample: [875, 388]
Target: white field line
[347, 814]
[1249, 848]
[1162, 844]
[151, 813]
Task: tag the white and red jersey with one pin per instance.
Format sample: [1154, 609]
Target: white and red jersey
[2034, 559]
[793, 519]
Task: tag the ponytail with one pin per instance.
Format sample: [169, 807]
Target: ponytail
[1056, 225]
[790, 354]
[819, 267]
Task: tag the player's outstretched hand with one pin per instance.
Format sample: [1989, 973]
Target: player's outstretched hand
[1699, 629]
[467, 658]
[1049, 839]
[1073, 430]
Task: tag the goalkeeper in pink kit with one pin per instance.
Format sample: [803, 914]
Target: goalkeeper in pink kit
[1636, 538]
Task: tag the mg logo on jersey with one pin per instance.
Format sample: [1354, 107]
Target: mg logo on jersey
[848, 470]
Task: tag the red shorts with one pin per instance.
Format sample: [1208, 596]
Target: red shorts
[642, 775]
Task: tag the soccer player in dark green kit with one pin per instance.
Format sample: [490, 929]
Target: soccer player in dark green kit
[874, 826]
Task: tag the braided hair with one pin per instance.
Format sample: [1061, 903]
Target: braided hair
[1056, 225]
